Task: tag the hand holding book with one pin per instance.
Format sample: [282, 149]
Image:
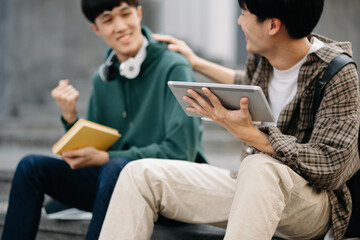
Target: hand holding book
[85, 157]
[85, 144]
[85, 133]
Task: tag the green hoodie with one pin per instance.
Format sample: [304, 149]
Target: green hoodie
[144, 110]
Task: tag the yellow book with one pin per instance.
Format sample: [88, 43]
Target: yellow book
[85, 133]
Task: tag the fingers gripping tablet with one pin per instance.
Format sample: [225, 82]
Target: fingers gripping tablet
[229, 95]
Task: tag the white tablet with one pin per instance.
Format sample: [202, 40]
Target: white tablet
[229, 95]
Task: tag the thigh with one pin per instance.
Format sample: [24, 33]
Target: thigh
[272, 198]
[53, 176]
[307, 213]
[190, 192]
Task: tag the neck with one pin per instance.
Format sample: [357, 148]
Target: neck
[289, 52]
[123, 57]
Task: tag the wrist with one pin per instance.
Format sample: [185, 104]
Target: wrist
[249, 136]
[260, 141]
[69, 118]
[104, 157]
[197, 63]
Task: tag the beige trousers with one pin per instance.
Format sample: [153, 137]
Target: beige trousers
[266, 199]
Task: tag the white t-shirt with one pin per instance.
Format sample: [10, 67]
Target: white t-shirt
[283, 84]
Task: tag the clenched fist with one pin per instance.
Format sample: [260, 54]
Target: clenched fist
[66, 96]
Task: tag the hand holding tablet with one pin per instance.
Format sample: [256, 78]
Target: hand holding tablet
[229, 96]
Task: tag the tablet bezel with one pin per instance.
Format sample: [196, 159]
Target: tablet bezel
[229, 95]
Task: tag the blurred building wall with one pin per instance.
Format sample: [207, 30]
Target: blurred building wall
[340, 21]
[209, 26]
[43, 41]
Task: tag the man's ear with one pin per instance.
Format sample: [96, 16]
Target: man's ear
[95, 29]
[139, 12]
[274, 26]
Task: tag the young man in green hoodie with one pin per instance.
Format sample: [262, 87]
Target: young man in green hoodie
[130, 94]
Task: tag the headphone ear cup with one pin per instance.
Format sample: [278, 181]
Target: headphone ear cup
[130, 68]
[107, 72]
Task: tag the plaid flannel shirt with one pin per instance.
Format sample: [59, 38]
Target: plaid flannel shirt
[323, 150]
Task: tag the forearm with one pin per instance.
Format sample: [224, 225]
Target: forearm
[260, 141]
[70, 118]
[214, 71]
[254, 137]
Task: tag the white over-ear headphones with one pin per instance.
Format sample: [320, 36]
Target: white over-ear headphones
[130, 68]
[107, 70]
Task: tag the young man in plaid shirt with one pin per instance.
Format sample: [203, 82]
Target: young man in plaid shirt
[293, 184]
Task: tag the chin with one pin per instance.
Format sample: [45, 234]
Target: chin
[249, 49]
[126, 50]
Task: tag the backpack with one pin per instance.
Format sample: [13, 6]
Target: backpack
[353, 184]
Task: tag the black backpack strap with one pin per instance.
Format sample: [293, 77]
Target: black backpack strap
[353, 184]
[334, 66]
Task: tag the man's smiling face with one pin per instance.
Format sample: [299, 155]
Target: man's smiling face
[121, 29]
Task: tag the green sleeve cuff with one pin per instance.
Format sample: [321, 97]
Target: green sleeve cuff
[67, 125]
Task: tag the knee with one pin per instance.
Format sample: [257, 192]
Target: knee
[28, 168]
[259, 165]
[27, 164]
[142, 172]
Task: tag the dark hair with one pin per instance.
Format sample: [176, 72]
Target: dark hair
[93, 8]
[299, 16]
